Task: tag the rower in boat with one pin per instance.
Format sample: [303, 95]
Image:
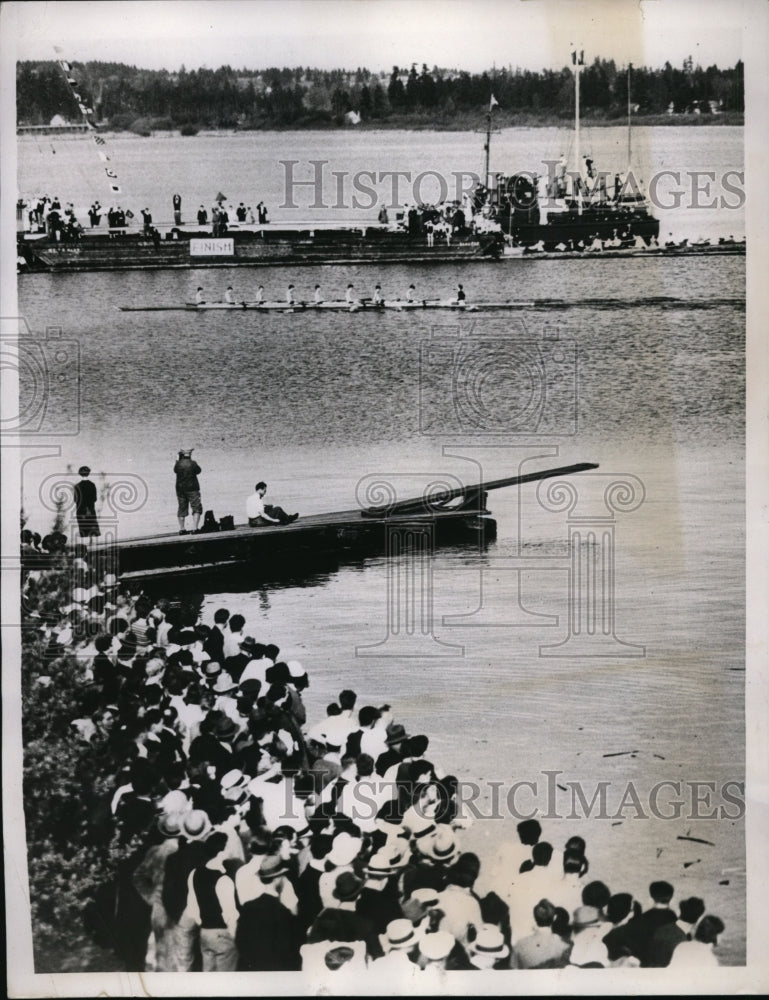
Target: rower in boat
[411, 293]
[229, 296]
[290, 300]
[349, 296]
[378, 300]
[199, 300]
[259, 300]
[461, 298]
[317, 296]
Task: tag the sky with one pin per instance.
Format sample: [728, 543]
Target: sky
[378, 34]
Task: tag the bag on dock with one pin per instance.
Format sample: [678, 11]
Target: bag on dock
[227, 523]
[209, 522]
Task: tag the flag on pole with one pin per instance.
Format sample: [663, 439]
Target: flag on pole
[493, 102]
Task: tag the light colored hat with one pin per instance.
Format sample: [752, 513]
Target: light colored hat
[224, 683]
[344, 850]
[386, 862]
[170, 824]
[233, 783]
[586, 916]
[418, 825]
[295, 668]
[196, 825]
[440, 845]
[437, 946]
[489, 942]
[399, 935]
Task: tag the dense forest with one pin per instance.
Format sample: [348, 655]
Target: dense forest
[125, 97]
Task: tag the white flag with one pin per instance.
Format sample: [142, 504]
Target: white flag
[493, 102]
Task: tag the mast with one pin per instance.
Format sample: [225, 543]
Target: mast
[629, 148]
[579, 62]
[487, 147]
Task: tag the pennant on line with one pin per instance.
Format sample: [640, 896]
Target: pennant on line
[98, 140]
[115, 188]
[493, 103]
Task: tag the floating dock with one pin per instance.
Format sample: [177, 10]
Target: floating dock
[447, 517]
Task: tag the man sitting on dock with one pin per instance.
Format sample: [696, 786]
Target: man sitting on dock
[259, 514]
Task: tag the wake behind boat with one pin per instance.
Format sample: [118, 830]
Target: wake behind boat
[451, 305]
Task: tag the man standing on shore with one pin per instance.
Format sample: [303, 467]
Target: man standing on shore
[85, 505]
[187, 489]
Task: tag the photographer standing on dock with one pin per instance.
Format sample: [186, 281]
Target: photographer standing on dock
[187, 489]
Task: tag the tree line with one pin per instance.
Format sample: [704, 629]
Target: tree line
[126, 96]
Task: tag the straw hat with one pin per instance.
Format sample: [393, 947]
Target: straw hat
[437, 946]
[170, 824]
[399, 936]
[489, 944]
[196, 825]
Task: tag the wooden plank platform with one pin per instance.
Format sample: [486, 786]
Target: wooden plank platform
[358, 531]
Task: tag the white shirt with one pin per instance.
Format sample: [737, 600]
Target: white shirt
[255, 508]
[461, 909]
[256, 670]
[588, 945]
[693, 955]
[232, 641]
[229, 297]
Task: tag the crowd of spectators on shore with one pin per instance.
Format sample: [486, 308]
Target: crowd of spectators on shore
[256, 839]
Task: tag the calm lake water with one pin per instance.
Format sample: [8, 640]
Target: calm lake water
[315, 404]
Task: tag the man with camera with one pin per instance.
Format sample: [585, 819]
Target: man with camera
[187, 490]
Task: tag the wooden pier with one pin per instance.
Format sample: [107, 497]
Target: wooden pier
[449, 516]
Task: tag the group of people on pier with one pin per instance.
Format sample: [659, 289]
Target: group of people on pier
[255, 838]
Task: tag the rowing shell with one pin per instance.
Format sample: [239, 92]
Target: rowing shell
[394, 304]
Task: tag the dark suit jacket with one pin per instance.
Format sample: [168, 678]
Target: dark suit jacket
[268, 937]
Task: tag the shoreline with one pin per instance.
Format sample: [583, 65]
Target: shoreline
[464, 123]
